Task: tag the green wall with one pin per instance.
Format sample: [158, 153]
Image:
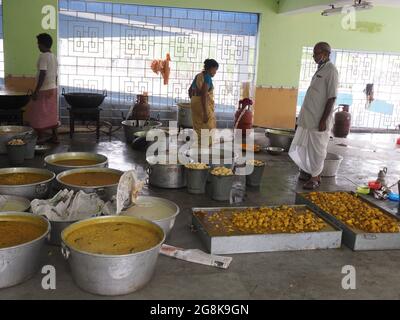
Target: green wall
[22, 22]
[281, 36]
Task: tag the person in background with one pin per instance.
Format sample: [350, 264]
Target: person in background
[42, 112]
[201, 94]
[310, 143]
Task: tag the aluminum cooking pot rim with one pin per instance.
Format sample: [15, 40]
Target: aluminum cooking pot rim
[177, 211]
[105, 160]
[84, 170]
[20, 169]
[44, 235]
[288, 133]
[109, 256]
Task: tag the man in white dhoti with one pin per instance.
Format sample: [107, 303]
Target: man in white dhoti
[310, 143]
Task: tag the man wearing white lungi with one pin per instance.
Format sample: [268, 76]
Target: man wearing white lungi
[310, 143]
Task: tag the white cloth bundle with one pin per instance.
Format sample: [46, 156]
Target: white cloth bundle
[68, 206]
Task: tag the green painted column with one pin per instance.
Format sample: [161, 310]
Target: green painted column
[22, 21]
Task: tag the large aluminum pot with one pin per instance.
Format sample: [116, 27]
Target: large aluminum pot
[111, 274]
[39, 190]
[132, 126]
[104, 192]
[9, 132]
[169, 176]
[185, 115]
[50, 160]
[19, 263]
[281, 138]
[158, 210]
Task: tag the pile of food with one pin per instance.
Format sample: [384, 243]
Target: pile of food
[221, 171]
[16, 142]
[265, 220]
[22, 178]
[255, 163]
[197, 166]
[354, 212]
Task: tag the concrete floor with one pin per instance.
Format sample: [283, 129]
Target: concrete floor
[282, 275]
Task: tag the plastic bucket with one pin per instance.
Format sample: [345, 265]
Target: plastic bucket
[196, 180]
[221, 187]
[254, 179]
[331, 165]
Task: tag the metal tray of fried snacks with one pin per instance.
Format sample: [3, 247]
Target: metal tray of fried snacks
[222, 238]
[354, 238]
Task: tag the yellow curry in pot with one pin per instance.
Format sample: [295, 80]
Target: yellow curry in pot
[76, 162]
[113, 238]
[22, 178]
[14, 233]
[91, 179]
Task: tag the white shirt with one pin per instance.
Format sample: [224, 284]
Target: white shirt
[48, 62]
[324, 86]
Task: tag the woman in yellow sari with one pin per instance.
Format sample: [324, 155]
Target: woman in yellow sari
[201, 94]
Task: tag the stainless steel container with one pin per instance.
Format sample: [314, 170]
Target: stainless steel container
[111, 274]
[19, 263]
[221, 187]
[149, 208]
[132, 126]
[104, 192]
[169, 176]
[9, 132]
[254, 179]
[185, 115]
[57, 168]
[14, 204]
[281, 138]
[39, 190]
[197, 180]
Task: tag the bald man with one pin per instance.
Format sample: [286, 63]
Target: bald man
[309, 147]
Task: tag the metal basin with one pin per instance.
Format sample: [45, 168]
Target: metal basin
[104, 192]
[19, 263]
[50, 160]
[9, 132]
[132, 126]
[281, 138]
[13, 100]
[14, 204]
[275, 150]
[168, 176]
[39, 190]
[111, 274]
[84, 99]
[158, 210]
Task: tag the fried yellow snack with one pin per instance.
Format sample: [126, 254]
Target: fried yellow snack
[354, 212]
[197, 166]
[255, 163]
[221, 171]
[268, 220]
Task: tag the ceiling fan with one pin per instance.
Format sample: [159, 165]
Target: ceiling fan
[358, 5]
